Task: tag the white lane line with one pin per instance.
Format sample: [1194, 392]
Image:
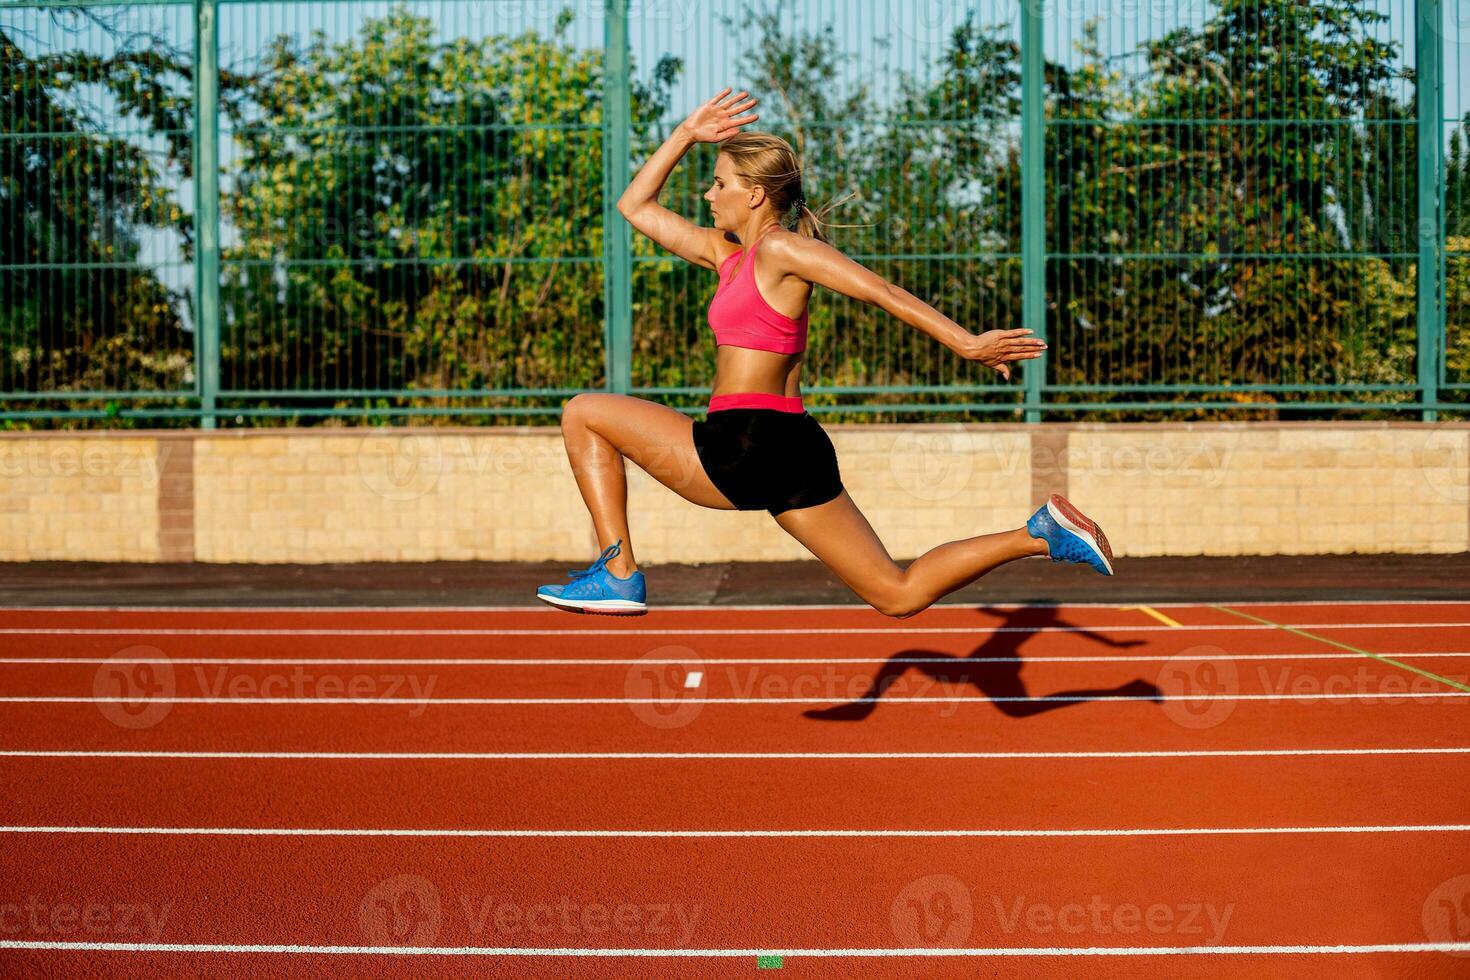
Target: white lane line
[982, 699]
[1182, 657]
[681, 952]
[664, 834]
[694, 756]
[734, 607]
[752, 631]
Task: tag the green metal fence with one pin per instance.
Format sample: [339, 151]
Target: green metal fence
[240, 213]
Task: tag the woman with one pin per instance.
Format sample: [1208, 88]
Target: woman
[757, 449]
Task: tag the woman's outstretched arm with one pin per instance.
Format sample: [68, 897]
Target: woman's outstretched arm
[710, 123]
[820, 263]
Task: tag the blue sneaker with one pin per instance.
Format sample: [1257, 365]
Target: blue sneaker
[596, 590]
[1070, 535]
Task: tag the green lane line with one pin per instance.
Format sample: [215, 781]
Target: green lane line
[1322, 639]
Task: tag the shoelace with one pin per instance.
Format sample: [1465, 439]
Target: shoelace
[608, 553]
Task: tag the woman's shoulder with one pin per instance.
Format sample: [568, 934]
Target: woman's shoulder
[791, 251]
[784, 239]
[779, 245]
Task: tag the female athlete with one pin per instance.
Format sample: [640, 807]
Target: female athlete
[757, 448]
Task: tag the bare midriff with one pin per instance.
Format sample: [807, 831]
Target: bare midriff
[739, 369]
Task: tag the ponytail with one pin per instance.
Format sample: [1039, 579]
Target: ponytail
[808, 222]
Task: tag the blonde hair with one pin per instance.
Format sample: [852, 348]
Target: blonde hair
[768, 161]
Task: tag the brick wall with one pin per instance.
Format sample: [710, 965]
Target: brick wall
[509, 494]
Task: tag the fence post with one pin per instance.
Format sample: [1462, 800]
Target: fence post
[206, 206]
[617, 236]
[1033, 199]
[1429, 100]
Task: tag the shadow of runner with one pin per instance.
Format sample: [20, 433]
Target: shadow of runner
[996, 680]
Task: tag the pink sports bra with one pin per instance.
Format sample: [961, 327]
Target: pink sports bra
[740, 316]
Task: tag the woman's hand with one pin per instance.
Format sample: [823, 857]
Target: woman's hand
[997, 348]
[715, 120]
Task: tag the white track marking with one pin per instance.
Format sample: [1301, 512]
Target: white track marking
[695, 756]
[717, 661]
[692, 681]
[982, 699]
[664, 834]
[679, 952]
[707, 607]
[803, 631]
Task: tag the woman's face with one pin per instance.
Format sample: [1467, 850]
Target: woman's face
[728, 198]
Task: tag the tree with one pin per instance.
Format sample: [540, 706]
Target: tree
[82, 313]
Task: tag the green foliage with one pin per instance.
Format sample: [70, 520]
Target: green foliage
[408, 213]
[1262, 153]
[420, 215]
[76, 313]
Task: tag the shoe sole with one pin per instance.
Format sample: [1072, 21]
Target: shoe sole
[1080, 524]
[597, 607]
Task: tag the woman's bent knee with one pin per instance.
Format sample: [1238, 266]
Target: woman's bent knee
[576, 410]
[896, 602]
[902, 598]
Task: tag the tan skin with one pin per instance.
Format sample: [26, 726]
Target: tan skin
[601, 430]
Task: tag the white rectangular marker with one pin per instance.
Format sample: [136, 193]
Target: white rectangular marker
[692, 681]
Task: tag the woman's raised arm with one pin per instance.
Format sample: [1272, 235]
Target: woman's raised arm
[713, 121]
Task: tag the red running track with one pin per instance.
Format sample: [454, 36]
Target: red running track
[383, 793]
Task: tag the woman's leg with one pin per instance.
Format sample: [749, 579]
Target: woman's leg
[599, 430]
[839, 534]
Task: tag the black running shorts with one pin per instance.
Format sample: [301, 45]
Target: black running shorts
[764, 459]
